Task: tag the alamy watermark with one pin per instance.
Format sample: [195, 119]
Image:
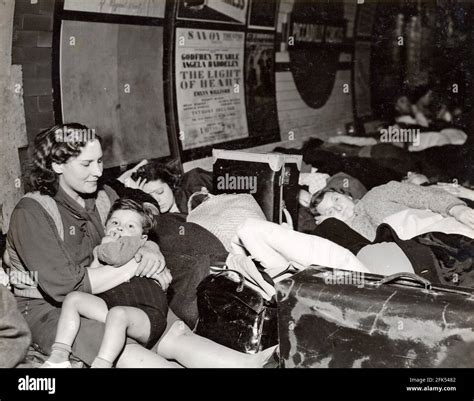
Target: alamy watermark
[344, 278]
[393, 134]
[28, 383]
[237, 182]
[20, 278]
[74, 135]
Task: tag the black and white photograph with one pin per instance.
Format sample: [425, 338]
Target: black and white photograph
[236, 199]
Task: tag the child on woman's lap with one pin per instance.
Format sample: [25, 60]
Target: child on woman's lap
[135, 309]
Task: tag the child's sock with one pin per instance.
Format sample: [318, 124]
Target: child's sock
[101, 363]
[59, 353]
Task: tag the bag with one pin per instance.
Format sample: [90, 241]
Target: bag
[223, 214]
[271, 178]
[341, 319]
[234, 315]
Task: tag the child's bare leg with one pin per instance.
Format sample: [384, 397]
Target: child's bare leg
[75, 305]
[121, 322]
[194, 351]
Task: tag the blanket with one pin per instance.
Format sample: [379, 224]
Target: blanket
[412, 222]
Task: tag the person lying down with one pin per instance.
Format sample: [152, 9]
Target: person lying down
[277, 247]
[377, 205]
[135, 309]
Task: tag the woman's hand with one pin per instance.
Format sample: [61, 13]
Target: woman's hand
[129, 172]
[457, 190]
[138, 184]
[319, 219]
[463, 214]
[304, 198]
[164, 278]
[151, 262]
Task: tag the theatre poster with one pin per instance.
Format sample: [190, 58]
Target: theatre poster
[139, 8]
[209, 87]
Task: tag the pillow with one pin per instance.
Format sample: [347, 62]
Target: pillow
[223, 214]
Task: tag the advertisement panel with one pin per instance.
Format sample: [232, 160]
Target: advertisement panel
[209, 87]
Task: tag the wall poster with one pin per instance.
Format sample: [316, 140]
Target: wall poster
[263, 14]
[210, 99]
[140, 8]
[236, 9]
[222, 11]
[121, 97]
[260, 83]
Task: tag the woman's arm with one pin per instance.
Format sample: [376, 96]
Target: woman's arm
[34, 236]
[37, 242]
[132, 193]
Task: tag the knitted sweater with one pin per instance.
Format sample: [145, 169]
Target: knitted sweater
[119, 252]
[386, 200]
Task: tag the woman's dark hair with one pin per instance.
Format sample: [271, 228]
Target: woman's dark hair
[56, 145]
[318, 197]
[159, 171]
[145, 210]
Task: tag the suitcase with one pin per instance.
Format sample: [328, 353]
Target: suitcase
[340, 319]
[270, 177]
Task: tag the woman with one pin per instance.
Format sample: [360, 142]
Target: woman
[51, 238]
[170, 189]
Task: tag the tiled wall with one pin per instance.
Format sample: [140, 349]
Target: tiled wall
[32, 43]
[12, 120]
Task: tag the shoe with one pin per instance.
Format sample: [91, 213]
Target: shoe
[57, 365]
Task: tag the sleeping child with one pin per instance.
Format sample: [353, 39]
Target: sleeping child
[135, 309]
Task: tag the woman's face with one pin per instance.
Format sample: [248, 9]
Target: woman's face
[336, 205]
[80, 174]
[162, 193]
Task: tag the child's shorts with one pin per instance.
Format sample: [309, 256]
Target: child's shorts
[145, 294]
